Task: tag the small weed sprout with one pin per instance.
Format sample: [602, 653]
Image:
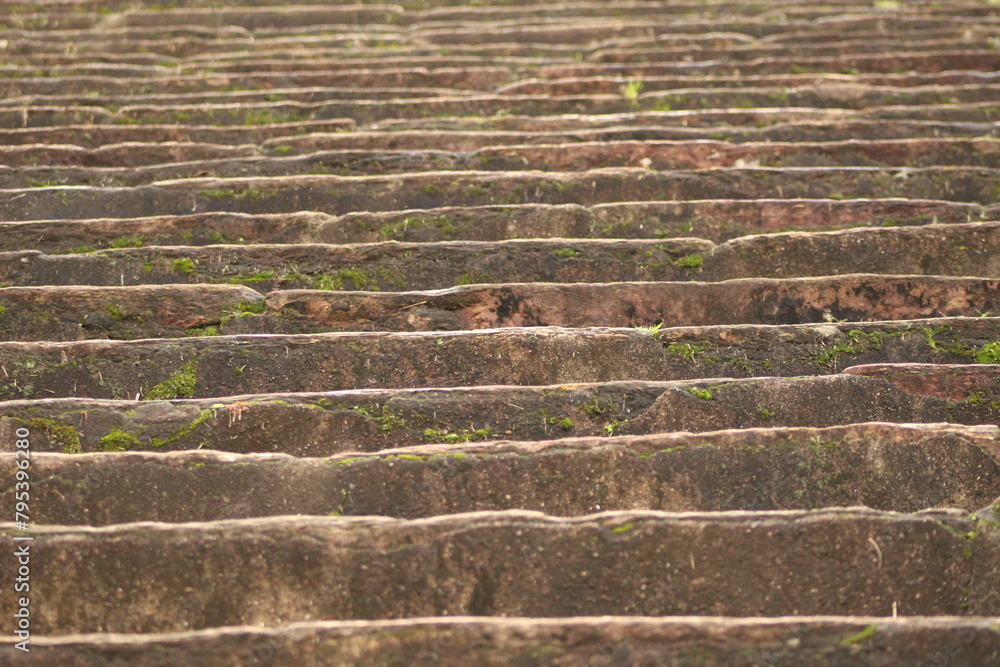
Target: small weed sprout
[631, 90]
[653, 330]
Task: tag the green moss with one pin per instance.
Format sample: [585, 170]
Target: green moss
[566, 252]
[251, 307]
[218, 194]
[702, 393]
[678, 448]
[565, 424]
[387, 422]
[59, 433]
[128, 241]
[179, 385]
[613, 427]
[116, 313]
[435, 436]
[595, 409]
[80, 250]
[118, 441]
[251, 278]
[335, 281]
[624, 528]
[766, 414]
[184, 265]
[202, 331]
[856, 343]
[202, 417]
[686, 350]
[988, 354]
[147, 266]
[867, 633]
[351, 459]
[689, 262]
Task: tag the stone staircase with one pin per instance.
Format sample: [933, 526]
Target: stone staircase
[647, 332]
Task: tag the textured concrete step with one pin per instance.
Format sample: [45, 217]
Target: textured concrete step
[142, 311]
[975, 114]
[868, 63]
[886, 467]
[713, 220]
[498, 641]
[660, 155]
[610, 84]
[100, 135]
[853, 561]
[232, 365]
[362, 109]
[328, 423]
[344, 194]
[393, 266]
[396, 266]
[856, 298]
[187, 51]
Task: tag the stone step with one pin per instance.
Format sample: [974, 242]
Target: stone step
[822, 641]
[886, 467]
[470, 150]
[715, 220]
[610, 84]
[98, 145]
[854, 561]
[900, 103]
[345, 194]
[858, 297]
[478, 78]
[330, 423]
[395, 267]
[254, 364]
[144, 311]
[101, 135]
[422, 103]
[973, 114]
[659, 155]
[193, 51]
[130, 45]
[536, 22]
[912, 61]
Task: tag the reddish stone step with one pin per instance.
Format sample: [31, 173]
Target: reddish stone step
[343, 194]
[497, 641]
[849, 561]
[660, 155]
[327, 423]
[419, 266]
[146, 311]
[714, 220]
[885, 467]
[233, 365]
[855, 298]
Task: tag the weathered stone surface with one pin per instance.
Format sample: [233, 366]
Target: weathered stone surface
[852, 561]
[327, 423]
[553, 157]
[715, 220]
[675, 304]
[593, 641]
[343, 194]
[233, 365]
[882, 466]
[145, 311]
[952, 382]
